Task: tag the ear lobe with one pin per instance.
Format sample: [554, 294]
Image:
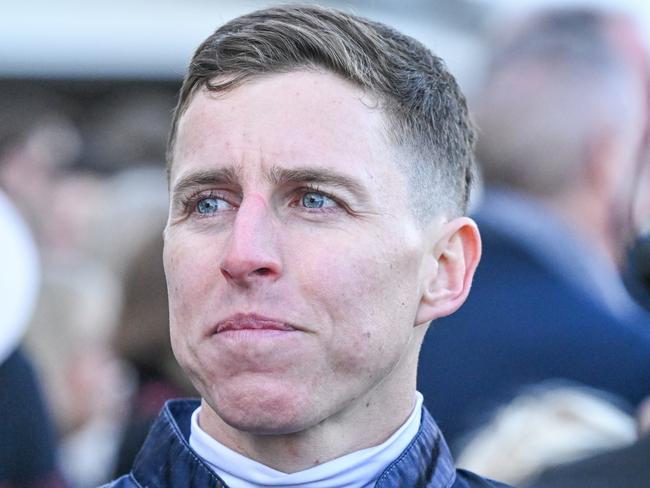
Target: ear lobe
[457, 252]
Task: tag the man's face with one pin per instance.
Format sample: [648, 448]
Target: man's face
[293, 262]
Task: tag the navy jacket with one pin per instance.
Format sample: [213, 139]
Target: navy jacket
[27, 440]
[167, 461]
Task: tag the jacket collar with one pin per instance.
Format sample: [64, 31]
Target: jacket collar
[166, 459]
[425, 462]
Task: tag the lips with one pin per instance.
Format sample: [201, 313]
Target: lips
[251, 322]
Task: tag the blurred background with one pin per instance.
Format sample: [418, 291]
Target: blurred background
[86, 93]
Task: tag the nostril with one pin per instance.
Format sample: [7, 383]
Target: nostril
[263, 271]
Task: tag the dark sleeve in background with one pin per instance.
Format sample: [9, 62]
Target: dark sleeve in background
[627, 467]
[27, 438]
[637, 271]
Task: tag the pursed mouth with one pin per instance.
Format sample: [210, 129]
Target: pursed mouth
[251, 322]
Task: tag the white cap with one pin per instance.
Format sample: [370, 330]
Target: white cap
[19, 277]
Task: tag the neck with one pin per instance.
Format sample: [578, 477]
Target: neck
[366, 421]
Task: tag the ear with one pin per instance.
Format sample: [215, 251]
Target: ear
[455, 254]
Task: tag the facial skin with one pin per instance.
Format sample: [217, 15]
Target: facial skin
[297, 274]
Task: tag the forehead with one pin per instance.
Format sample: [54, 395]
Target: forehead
[298, 118]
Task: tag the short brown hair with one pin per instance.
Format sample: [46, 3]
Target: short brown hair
[428, 121]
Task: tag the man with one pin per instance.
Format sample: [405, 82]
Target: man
[562, 115]
[319, 166]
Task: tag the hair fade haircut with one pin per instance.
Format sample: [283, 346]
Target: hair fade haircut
[427, 118]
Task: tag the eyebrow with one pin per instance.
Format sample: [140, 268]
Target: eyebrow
[220, 176]
[278, 176]
[282, 176]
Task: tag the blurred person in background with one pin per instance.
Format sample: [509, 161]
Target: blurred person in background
[88, 225]
[86, 298]
[38, 141]
[87, 384]
[79, 301]
[128, 130]
[28, 455]
[562, 116]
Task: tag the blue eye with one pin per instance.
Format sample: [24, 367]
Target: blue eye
[316, 200]
[211, 205]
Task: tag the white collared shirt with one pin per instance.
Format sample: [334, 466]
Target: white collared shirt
[359, 469]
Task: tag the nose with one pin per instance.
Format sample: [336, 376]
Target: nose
[252, 254]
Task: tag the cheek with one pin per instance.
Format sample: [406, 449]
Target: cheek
[359, 290]
[373, 280]
[190, 284]
[188, 275]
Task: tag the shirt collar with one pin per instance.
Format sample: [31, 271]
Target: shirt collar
[359, 469]
[166, 458]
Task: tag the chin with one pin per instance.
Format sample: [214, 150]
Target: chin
[264, 412]
[262, 423]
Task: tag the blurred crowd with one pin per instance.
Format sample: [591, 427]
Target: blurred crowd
[551, 372]
[90, 323]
